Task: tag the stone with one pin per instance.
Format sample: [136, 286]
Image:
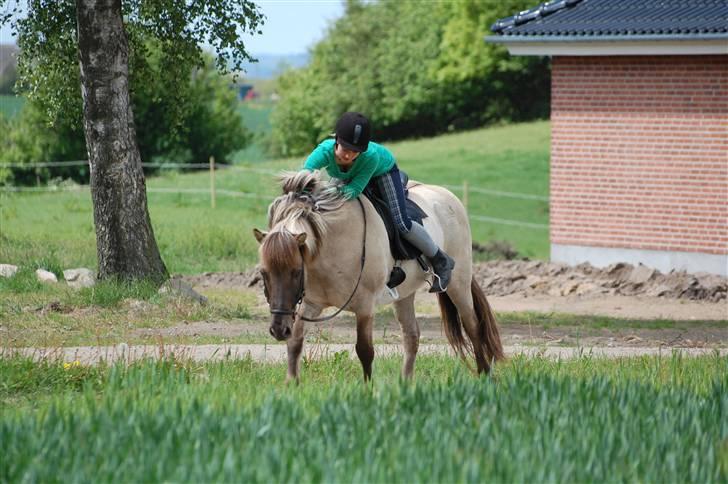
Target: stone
[586, 288]
[569, 287]
[8, 270]
[78, 278]
[658, 291]
[45, 276]
[181, 288]
[640, 274]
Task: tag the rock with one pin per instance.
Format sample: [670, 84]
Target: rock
[640, 274]
[181, 288]
[8, 270]
[78, 278]
[45, 276]
[586, 288]
[569, 287]
[535, 282]
[659, 290]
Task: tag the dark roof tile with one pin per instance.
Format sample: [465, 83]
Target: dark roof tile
[595, 18]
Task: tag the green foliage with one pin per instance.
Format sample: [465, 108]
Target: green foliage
[183, 111]
[538, 420]
[193, 238]
[415, 68]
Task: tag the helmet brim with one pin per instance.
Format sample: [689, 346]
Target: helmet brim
[349, 146]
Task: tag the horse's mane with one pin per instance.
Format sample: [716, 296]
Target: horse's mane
[302, 207]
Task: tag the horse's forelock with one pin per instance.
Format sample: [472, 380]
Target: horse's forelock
[279, 250]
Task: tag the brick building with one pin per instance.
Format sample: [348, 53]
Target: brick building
[639, 128]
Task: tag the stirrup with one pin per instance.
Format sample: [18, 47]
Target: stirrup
[439, 283]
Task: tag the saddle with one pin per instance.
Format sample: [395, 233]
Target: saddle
[400, 248]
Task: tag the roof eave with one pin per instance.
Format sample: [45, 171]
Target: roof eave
[506, 39]
[705, 44]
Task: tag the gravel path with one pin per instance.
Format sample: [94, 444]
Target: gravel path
[277, 352]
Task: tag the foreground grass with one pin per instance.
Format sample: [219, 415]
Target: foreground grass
[194, 238]
[644, 419]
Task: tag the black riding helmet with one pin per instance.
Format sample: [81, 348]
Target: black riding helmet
[353, 131]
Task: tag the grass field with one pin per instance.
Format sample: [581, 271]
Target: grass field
[586, 420]
[56, 229]
[10, 105]
[256, 117]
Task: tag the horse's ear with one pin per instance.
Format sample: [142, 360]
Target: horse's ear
[259, 236]
[301, 239]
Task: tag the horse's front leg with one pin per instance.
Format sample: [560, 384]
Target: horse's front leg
[405, 311]
[295, 342]
[364, 342]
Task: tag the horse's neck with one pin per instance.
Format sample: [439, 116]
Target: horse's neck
[343, 244]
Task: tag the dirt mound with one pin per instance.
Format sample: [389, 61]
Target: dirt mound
[505, 277]
[502, 278]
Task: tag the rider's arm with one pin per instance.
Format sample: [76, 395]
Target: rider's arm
[359, 182]
[320, 157]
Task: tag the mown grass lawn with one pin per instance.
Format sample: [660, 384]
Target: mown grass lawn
[536, 420]
[56, 229]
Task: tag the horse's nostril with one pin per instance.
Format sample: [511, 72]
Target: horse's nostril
[272, 333]
[286, 332]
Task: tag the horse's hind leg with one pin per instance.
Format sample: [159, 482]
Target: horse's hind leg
[404, 309]
[364, 343]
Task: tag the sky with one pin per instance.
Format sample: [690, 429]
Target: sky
[291, 26]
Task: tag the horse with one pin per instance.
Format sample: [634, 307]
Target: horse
[322, 250]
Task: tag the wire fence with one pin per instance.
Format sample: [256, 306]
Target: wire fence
[464, 190]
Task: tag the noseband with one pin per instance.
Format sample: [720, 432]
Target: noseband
[301, 290]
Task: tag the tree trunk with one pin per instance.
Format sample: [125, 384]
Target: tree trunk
[125, 242]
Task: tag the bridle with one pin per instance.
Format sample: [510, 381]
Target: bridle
[302, 292]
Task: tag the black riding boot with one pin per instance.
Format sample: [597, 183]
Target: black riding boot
[442, 266]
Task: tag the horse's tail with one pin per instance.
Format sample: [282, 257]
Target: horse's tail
[485, 345]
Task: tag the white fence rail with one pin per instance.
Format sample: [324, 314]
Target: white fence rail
[464, 189]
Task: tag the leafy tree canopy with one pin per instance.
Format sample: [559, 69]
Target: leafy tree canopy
[415, 68]
[48, 62]
[184, 110]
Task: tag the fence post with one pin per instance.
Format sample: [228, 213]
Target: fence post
[212, 181]
[465, 195]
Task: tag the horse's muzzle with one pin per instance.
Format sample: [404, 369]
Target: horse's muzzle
[280, 329]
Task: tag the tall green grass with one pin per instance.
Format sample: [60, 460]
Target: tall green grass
[587, 420]
[195, 238]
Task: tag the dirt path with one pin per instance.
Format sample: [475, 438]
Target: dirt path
[277, 352]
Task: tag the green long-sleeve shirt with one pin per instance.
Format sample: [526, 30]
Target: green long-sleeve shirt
[375, 161]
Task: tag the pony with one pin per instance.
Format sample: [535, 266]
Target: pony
[321, 250]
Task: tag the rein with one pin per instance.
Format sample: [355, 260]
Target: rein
[302, 291]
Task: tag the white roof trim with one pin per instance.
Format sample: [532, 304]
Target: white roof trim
[594, 48]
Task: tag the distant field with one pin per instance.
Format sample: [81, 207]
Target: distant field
[58, 227]
[256, 117]
[537, 420]
[10, 105]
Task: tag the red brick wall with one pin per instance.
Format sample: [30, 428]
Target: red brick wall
[639, 152]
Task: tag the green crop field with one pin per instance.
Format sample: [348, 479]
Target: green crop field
[57, 227]
[536, 420]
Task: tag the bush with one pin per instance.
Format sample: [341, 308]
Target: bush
[415, 68]
[206, 124]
